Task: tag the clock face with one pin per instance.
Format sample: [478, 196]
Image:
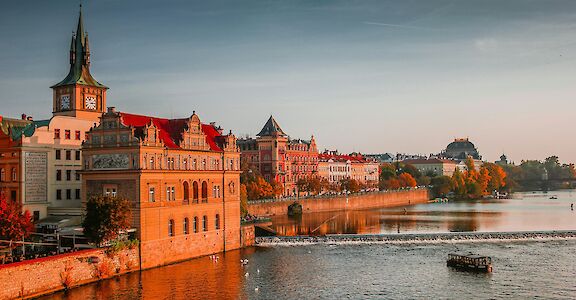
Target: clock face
[65, 102]
[90, 102]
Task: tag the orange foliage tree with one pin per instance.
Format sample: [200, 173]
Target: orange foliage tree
[406, 180]
[14, 224]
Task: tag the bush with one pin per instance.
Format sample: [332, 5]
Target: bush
[105, 217]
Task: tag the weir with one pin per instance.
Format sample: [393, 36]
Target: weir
[415, 238]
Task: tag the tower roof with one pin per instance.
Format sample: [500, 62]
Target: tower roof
[79, 59]
[271, 128]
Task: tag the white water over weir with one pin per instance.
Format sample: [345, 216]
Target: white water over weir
[416, 238]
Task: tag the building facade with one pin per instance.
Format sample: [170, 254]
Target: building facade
[336, 167]
[280, 158]
[182, 176]
[434, 166]
[43, 158]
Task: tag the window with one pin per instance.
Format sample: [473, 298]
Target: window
[205, 223]
[2, 174]
[186, 226]
[58, 154]
[67, 134]
[152, 163]
[68, 194]
[195, 225]
[186, 190]
[110, 190]
[77, 176]
[217, 222]
[204, 191]
[68, 155]
[13, 196]
[171, 227]
[173, 193]
[36, 215]
[151, 194]
[77, 135]
[195, 191]
[77, 194]
[58, 175]
[68, 175]
[77, 156]
[56, 133]
[58, 194]
[14, 175]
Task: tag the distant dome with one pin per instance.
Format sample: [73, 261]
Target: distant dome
[461, 149]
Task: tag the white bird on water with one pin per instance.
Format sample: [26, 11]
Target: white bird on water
[256, 289]
[246, 274]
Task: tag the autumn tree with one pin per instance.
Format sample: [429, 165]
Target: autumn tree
[391, 184]
[243, 200]
[259, 188]
[15, 225]
[497, 177]
[406, 180]
[106, 217]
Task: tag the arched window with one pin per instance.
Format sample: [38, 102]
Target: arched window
[195, 225]
[204, 191]
[195, 191]
[186, 189]
[13, 174]
[205, 223]
[152, 163]
[203, 164]
[186, 226]
[194, 164]
[171, 227]
[217, 222]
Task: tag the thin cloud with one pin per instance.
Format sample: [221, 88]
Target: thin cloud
[396, 26]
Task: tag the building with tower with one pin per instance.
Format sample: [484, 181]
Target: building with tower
[43, 157]
[280, 158]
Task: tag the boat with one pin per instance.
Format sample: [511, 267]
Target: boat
[470, 262]
[553, 197]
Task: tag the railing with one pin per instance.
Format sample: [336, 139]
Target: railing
[325, 196]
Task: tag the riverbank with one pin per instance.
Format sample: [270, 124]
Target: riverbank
[415, 238]
[379, 199]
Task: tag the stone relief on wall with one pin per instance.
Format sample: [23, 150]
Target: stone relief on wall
[110, 161]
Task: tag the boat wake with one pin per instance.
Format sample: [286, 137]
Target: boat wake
[416, 238]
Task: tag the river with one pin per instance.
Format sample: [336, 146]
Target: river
[522, 269]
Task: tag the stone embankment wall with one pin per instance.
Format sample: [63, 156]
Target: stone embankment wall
[342, 202]
[50, 274]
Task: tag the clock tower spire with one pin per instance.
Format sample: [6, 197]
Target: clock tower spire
[79, 94]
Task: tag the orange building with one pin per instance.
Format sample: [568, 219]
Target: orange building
[183, 177]
[280, 158]
[336, 167]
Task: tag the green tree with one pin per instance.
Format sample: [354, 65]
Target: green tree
[106, 217]
[441, 185]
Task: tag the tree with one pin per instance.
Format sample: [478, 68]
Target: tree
[497, 177]
[458, 183]
[277, 188]
[315, 185]
[391, 184]
[441, 185]
[106, 217]
[406, 180]
[410, 169]
[243, 200]
[15, 225]
[483, 181]
[259, 189]
[387, 171]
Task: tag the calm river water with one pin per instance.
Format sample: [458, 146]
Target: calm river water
[522, 269]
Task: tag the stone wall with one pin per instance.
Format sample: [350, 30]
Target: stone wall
[49, 274]
[342, 202]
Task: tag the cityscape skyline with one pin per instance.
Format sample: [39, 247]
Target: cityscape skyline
[315, 65]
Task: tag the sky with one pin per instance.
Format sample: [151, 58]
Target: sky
[372, 76]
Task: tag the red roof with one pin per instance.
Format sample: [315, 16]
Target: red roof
[351, 158]
[170, 130]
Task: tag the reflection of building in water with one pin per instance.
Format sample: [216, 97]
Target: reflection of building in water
[321, 223]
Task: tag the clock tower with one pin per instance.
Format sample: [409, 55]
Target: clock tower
[79, 94]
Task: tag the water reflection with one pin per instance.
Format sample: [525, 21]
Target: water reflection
[201, 278]
[526, 211]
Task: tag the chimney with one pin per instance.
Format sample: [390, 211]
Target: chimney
[111, 109]
[23, 116]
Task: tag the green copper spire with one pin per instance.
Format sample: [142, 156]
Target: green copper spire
[79, 59]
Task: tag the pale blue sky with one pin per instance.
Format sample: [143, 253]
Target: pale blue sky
[369, 76]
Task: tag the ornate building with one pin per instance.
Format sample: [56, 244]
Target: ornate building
[280, 158]
[337, 167]
[460, 149]
[182, 176]
[43, 157]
